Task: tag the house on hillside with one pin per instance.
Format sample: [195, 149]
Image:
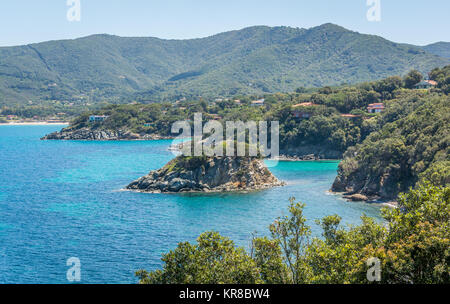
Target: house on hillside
[257, 103]
[301, 115]
[305, 104]
[97, 118]
[426, 84]
[376, 108]
[300, 111]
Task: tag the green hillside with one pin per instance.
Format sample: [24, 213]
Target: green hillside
[409, 146]
[254, 60]
[440, 49]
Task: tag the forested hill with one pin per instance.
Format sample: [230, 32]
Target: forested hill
[440, 49]
[253, 60]
[410, 146]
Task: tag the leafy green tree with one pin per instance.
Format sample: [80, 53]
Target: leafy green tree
[213, 260]
[413, 248]
[340, 256]
[292, 233]
[268, 257]
[417, 249]
[442, 76]
[412, 78]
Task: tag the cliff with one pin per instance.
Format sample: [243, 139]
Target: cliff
[411, 150]
[207, 174]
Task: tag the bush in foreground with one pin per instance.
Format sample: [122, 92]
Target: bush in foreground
[414, 248]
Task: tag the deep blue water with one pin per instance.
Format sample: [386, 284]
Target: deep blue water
[61, 199]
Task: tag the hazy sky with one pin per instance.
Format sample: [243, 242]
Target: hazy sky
[27, 21]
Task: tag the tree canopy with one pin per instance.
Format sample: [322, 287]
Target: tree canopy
[413, 247]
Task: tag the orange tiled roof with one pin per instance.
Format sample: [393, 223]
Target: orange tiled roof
[305, 104]
[432, 82]
[376, 106]
[350, 115]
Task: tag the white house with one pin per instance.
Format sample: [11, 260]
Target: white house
[97, 118]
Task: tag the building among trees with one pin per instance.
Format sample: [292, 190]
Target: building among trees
[426, 84]
[375, 108]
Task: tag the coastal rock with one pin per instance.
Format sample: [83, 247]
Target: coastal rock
[361, 185]
[356, 197]
[89, 134]
[309, 152]
[207, 174]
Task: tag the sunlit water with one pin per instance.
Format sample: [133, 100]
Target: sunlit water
[62, 199]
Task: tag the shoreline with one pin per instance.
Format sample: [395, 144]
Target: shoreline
[34, 123]
[212, 192]
[387, 203]
[283, 158]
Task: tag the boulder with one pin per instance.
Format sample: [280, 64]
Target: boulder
[357, 197]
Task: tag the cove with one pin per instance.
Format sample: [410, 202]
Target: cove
[62, 199]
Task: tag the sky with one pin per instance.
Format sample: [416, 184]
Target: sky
[406, 21]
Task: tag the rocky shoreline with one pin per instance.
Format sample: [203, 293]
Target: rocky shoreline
[298, 158]
[357, 197]
[357, 187]
[309, 152]
[89, 134]
[208, 174]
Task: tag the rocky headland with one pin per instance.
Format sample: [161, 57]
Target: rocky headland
[361, 185]
[90, 134]
[208, 174]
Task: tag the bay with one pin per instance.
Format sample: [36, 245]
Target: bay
[62, 199]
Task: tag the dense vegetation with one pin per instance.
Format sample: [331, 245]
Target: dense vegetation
[411, 143]
[326, 126]
[442, 76]
[255, 60]
[45, 110]
[439, 48]
[385, 153]
[413, 249]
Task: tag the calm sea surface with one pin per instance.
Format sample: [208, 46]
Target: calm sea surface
[62, 199]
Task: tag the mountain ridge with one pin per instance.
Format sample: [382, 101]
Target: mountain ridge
[440, 48]
[253, 60]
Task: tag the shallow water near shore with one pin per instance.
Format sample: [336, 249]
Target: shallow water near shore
[62, 199]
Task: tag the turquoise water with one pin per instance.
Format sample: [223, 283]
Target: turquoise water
[62, 199]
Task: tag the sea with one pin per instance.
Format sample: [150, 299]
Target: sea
[64, 199]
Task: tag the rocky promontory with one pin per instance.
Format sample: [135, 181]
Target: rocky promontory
[90, 134]
[303, 151]
[207, 174]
